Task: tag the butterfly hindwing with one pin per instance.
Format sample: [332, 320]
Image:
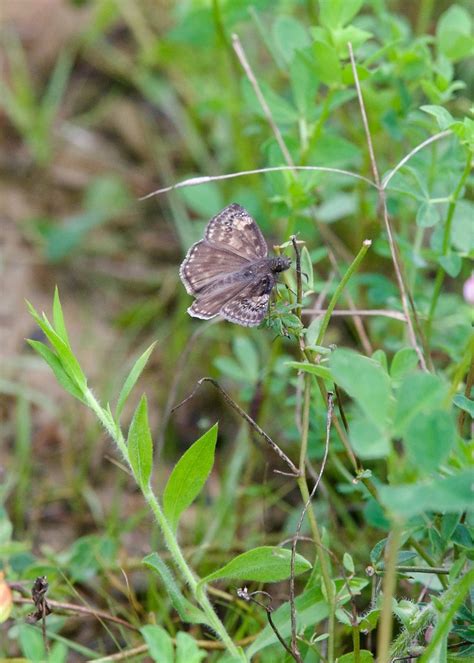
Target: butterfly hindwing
[235, 230]
[210, 302]
[246, 309]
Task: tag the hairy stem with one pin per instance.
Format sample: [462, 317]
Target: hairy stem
[384, 633]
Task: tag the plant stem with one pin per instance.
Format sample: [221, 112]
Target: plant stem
[356, 642]
[384, 634]
[340, 287]
[171, 542]
[446, 242]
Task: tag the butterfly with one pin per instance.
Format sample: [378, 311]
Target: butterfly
[229, 272]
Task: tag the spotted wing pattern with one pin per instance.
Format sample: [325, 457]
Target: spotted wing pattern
[205, 263]
[234, 230]
[246, 309]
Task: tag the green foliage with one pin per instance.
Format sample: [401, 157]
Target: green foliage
[189, 476]
[396, 467]
[140, 445]
[264, 564]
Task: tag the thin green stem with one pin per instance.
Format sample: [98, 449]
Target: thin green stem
[424, 16]
[384, 634]
[320, 550]
[340, 287]
[356, 642]
[446, 242]
[171, 542]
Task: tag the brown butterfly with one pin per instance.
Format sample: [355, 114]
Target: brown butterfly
[229, 271]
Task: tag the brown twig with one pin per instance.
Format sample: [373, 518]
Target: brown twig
[245, 595]
[239, 51]
[79, 609]
[406, 298]
[294, 470]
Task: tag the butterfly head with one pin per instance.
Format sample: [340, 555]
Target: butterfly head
[280, 264]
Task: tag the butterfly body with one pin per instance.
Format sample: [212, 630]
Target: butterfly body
[229, 271]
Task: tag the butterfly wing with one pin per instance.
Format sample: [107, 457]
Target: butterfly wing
[205, 263]
[210, 302]
[247, 309]
[234, 229]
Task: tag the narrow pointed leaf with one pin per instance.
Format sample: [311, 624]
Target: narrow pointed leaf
[140, 445]
[131, 380]
[264, 564]
[58, 317]
[189, 476]
[53, 362]
[63, 351]
[307, 274]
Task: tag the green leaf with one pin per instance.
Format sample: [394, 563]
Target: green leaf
[264, 564]
[462, 236]
[365, 381]
[364, 656]
[443, 116]
[131, 380]
[464, 403]
[282, 110]
[304, 83]
[367, 438]
[160, 644]
[314, 369]
[453, 33]
[189, 476]
[185, 609]
[31, 643]
[61, 376]
[340, 38]
[336, 13]
[427, 215]
[187, 649]
[369, 621]
[419, 393]
[445, 495]
[289, 35]
[348, 563]
[58, 317]
[451, 263]
[63, 351]
[326, 63]
[405, 361]
[429, 439]
[140, 445]
[307, 276]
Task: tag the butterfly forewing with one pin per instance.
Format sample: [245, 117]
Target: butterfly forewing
[205, 263]
[235, 230]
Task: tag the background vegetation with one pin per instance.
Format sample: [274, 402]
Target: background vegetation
[102, 102]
